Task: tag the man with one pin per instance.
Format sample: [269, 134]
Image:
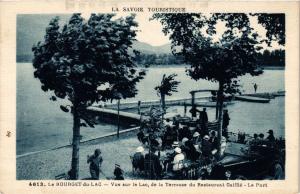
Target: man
[138, 159]
[95, 164]
[194, 111]
[195, 139]
[255, 140]
[203, 119]
[255, 87]
[271, 137]
[225, 123]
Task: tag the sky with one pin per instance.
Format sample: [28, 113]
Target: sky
[151, 31]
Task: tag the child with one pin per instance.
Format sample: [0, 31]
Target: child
[118, 172]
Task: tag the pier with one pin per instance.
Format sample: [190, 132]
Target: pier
[199, 101]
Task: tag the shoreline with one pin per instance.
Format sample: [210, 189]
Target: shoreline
[181, 65]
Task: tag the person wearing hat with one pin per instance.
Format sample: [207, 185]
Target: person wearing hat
[184, 140]
[271, 137]
[183, 146]
[178, 160]
[138, 159]
[95, 164]
[175, 144]
[118, 172]
[196, 136]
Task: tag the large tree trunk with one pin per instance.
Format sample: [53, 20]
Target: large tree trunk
[76, 140]
[220, 115]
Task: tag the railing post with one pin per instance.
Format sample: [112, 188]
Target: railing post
[193, 98]
[139, 107]
[118, 131]
[185, 108]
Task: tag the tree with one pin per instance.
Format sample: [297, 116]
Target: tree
[166, 87]
[222, 60]
[153, 127]
[87, 62]
[274, 23]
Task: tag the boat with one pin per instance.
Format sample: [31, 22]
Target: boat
[252, 99]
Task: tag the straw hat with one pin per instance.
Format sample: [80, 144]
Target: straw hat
[175, 144]
[178, 150]
[185, 139]
[139, 149]
[223, 139]
[196, 134]
[206, 137]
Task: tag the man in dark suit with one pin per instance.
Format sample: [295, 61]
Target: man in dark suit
[194, 111]
[225, 123]
[203, 119]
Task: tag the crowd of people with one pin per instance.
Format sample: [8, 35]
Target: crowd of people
[178, 144]
[259, 139]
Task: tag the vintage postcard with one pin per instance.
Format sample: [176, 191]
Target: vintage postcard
[149, 97]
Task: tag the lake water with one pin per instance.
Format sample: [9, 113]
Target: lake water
[41, 124]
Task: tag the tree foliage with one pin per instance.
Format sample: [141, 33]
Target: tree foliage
[87, 62]
[74, 61]
[222, 60]
[168, 85]
[274, 23]
[272, 58]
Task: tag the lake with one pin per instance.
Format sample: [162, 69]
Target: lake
[42, 125]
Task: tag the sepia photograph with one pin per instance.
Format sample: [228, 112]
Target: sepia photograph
[151, 96]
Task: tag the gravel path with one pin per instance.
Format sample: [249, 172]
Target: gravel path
[48, 164]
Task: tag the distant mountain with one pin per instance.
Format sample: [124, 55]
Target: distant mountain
[149, 49]
[31, 29]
